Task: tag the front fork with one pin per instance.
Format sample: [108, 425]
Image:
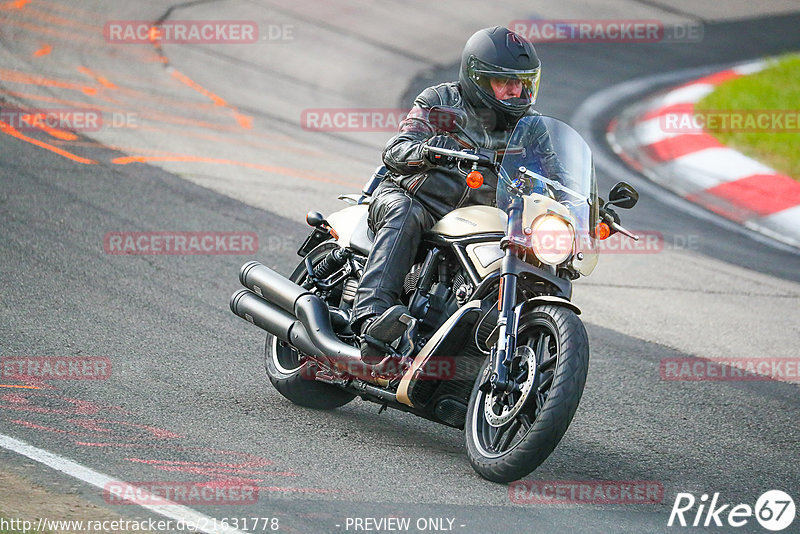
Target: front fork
[503, 352]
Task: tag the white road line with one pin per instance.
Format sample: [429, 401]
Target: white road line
[59, 463]
[653, 130]
[711, 167]
[687, 95]
[784, 219]
[752, 67]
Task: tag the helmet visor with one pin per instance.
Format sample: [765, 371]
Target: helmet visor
[484, 74]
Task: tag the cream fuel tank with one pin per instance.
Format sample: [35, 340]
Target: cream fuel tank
[485, 255]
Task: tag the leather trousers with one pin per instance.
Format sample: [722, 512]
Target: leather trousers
[398, 221]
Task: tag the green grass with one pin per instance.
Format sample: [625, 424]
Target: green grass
[775, 88]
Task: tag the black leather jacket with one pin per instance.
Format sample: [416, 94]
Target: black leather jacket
[442, 189]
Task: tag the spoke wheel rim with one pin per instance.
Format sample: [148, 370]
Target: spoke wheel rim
[286, 359]
[494, 441]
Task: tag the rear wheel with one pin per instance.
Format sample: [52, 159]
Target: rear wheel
[291, 372]
[509, 436]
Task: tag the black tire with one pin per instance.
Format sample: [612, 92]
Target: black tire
[543, 417]
[292, 377]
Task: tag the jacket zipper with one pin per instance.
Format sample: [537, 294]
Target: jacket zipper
[417, 183]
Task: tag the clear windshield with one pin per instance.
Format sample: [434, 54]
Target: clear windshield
[547, 157]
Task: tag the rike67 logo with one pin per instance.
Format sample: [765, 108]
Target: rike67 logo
[774, 510]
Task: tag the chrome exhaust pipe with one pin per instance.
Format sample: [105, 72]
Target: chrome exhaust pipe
[278, 301]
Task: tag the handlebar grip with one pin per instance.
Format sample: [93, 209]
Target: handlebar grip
[442, 151]
[458, 154]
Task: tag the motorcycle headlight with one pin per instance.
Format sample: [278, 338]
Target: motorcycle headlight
[552, 240]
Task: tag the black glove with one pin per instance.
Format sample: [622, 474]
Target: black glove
[441, 141]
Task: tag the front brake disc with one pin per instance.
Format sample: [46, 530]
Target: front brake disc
[498, 414]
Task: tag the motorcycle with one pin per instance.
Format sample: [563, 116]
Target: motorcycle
[491, 342]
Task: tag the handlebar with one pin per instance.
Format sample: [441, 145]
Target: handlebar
[616, 226]
[451, 153]
[475, 159]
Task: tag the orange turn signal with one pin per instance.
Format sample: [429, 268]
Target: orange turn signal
[331, 231]
[602, 231]
[500, 296]
[474, 179]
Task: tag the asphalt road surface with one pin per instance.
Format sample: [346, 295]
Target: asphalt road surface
[211, 138]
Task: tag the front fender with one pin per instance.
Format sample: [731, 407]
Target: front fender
[528, 304]
[548, 299]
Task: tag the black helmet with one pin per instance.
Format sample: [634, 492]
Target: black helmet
[499, 53]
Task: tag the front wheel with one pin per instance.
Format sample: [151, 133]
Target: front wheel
[290, 372]
[509, 436]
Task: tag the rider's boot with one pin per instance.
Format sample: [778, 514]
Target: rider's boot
[378, 332]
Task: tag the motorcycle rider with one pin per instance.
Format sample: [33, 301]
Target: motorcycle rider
[498, 83]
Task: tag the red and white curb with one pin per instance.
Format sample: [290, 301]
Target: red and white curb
[701, 169]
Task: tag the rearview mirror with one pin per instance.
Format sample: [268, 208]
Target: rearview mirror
[447, 119]
[623, 195]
